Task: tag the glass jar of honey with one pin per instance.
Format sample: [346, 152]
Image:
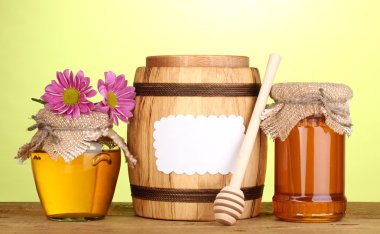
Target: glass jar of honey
[81, 189]
[309, 173]
[75, 164]
[309, 122]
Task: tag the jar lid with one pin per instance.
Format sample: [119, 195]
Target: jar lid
[287, 92]
[296, 101]
[69, 138]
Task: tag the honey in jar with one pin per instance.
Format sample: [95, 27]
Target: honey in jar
[75, 163]
[309, 122]
[79, 190]
[309, 173]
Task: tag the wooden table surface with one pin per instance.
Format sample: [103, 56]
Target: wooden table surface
[29, 218]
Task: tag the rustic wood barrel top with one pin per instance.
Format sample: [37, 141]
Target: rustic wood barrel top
[197, 61]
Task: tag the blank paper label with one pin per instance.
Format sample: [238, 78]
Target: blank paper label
[188, 144]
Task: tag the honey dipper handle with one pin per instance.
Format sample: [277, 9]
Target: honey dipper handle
[254, 123]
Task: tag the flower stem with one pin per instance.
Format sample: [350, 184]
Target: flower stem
[39, 101]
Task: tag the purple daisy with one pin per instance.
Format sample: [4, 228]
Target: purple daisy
[118, 99]
[69, 95]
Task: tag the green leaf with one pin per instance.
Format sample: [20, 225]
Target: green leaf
[39, 101]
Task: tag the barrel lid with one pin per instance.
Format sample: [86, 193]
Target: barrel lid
[197, 61]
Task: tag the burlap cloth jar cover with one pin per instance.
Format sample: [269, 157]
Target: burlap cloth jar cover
[69, 138]
[296, 101]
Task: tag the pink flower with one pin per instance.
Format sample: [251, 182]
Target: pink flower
[69, 95]
[118, 99]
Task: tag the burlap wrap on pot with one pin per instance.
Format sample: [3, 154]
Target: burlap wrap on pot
[69, 138]
[296, 101]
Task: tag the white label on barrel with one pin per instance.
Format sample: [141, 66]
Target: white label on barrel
[188, 144]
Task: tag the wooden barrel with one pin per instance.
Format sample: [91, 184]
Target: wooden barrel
[172, 88]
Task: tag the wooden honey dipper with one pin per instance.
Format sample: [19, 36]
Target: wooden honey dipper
[229, 203]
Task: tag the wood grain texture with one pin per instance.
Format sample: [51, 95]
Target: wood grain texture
[361, 218]
[150, 109]
[197, 61]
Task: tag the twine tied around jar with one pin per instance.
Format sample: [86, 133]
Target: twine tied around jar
[69, 138]
[296, 101]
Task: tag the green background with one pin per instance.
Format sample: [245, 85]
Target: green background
[334, 41]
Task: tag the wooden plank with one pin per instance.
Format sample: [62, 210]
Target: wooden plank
[29, 218]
